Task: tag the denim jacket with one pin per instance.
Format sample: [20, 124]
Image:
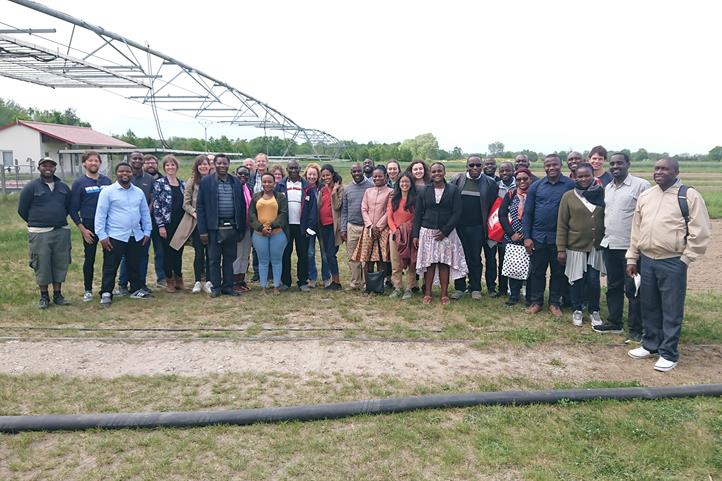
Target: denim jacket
[163, 200]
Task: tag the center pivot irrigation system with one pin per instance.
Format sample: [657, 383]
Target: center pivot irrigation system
[81, 55]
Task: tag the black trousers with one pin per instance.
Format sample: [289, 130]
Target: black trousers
[133, 251]
[619, 285]
[221, 256]
[172, 259]
[545, 255]
[472, 239]
[89, 251]
[299, 238]
[491, 266]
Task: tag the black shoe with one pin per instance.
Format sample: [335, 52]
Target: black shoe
[415, 290]
[59, 300]
[512, 302]
[44, 302]
[334, 286]
[229, 292]
[608, 329]
[215, 293]
[255, 278]
[494, 294]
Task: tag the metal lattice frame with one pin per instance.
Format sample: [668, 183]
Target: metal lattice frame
[112, 62]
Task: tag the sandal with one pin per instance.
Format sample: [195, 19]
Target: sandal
[243, 287]
[445, 301]
[426, 300]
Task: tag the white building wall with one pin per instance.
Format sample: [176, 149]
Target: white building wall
[24, 143]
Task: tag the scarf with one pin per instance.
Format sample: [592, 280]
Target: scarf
[594, 194]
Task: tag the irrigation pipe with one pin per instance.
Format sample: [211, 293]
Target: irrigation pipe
[14, 424]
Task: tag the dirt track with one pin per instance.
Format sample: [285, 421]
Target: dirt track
[435, 361]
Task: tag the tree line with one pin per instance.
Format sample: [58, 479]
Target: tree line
[424, 146]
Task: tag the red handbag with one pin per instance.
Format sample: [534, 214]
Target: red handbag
[493, 226]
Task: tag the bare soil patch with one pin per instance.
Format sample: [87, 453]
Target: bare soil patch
[706, 274]
[414, 362]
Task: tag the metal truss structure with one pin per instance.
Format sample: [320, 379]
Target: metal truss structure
[92, 57]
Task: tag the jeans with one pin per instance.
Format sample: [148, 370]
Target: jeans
[664, 284]
[89, 251]
[312, 271]
[133, 252]
[472, 239]
[270, 251]
[545, 255]
[158, 252]
[200, 258]
[221, 257]
[491, 266]
[301, 242]
[329, 250]
[586, 291]
[620, 284]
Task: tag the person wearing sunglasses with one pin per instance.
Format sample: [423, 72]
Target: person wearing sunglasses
[478, 193]
[511, 214]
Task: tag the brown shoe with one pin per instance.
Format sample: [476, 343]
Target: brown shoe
[179, 283]
[533, 309]
[556, 312]
[170, 284]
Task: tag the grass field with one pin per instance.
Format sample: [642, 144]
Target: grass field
[661, 440]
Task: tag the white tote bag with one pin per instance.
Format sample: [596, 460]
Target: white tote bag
[516, 262]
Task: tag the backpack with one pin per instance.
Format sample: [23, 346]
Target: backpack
[684, 207]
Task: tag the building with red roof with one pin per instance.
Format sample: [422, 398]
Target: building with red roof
[23, 142]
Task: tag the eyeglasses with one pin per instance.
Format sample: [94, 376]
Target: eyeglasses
[474, 165]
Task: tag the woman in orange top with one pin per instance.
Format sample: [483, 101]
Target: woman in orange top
[400, 216]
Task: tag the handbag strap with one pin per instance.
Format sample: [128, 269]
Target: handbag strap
[371, 251]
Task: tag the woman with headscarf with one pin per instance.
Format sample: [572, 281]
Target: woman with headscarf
[511, 213]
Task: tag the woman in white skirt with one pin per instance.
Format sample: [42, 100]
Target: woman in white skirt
[437, 212]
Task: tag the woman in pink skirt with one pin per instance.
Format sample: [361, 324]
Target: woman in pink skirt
[438, 209]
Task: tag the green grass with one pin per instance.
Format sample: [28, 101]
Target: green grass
[670, 439]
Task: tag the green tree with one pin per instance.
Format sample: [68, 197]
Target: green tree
[424, 146]
[715, 153]
[11, 111]
[496, 148]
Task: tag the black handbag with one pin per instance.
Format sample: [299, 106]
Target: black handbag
[375, 280]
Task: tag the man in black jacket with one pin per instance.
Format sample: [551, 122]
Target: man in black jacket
[44, 204]
[221, 212]
[478, 193]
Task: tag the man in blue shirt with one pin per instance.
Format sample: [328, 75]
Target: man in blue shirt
[540, 235]
[123, 226]
[83, 201]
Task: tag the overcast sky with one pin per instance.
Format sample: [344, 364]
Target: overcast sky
[543, 75]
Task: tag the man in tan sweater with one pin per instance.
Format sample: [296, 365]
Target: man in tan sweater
[666, 244]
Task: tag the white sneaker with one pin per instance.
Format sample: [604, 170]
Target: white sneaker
[577, 317]
[88, 296]
[639, 353]
[311, 284]
[408, 294]
[476, 295]
[196, 287]
[664, 365]
[396, 294]
[207, 287]
[596, 319]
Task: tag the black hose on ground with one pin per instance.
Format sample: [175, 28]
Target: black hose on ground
[14, 424]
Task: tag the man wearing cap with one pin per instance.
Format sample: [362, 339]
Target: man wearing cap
[44, 204]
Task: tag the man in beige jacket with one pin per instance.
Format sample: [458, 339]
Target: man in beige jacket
[667, 244]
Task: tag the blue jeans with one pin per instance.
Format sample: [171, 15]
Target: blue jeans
[329, 251]
[664, 284]
[270, 249]
[586, 291]
[312, 271]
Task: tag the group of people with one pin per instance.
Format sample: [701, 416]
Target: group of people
[410, 225]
